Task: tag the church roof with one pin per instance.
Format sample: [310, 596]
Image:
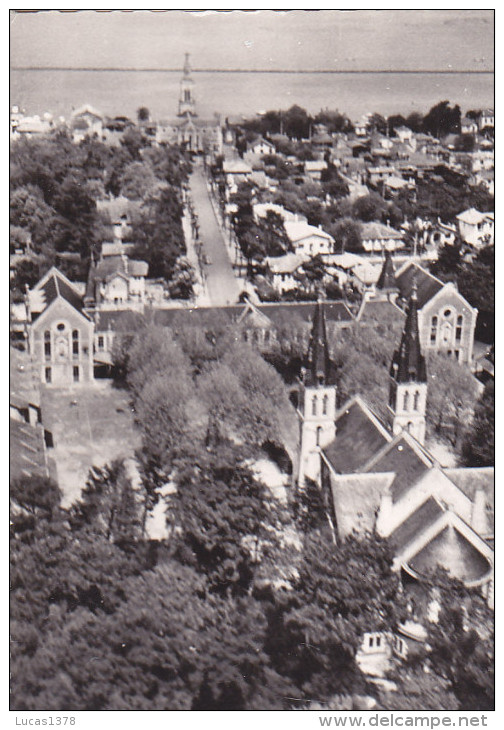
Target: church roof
[408, 463]
[427, 284]
[359, 437]
[356, 499]
[470, 479]
[418, 521]
[453, 551]
[387, 277]
[51, 287]
[408, 363]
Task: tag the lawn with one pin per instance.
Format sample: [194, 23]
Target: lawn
[91, 425]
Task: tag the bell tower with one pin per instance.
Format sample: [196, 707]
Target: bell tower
[187, 104]
[317, 400]
[408, 379]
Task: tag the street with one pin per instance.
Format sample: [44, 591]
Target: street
[221, 283]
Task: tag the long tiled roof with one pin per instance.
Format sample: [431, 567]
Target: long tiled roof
[427, 285]
[335, 312]
[357, 440]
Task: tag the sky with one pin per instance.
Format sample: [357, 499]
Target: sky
[262, 39]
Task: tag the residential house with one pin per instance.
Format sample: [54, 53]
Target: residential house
[379, 174]
[116, 280]
[377, 475]
[59, 331]
[486, 119]
[283, 269]
[468, 126]
[476, 228]
[377, 237]
[405, 135]
[308, 239]
[236, 171]
[314, 168]
[260, 210]
[86, 121]
[393, 185]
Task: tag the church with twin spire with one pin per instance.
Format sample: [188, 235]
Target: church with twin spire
[380, 477]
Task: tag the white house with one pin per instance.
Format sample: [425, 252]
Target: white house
[476, 228]
[486, 119]
[308, 239]
[405, 134]
[260, 210]
[377, 237]
[315, 168]
[283, 270]
[468, 126]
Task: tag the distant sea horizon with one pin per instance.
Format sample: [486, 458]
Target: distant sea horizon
[237, 92]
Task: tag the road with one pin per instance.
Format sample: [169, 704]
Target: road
[221, 283]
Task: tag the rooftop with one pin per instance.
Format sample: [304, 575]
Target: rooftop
[427, 284]
[298, 230]
[358, 438]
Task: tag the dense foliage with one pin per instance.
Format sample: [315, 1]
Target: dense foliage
[55, 187]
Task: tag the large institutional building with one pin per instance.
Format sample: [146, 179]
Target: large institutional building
[380, 476]
[188, 130]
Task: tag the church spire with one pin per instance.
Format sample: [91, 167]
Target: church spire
[408, 363]
[187, 66]
[187, 104]
[387, 276]
[318, 371]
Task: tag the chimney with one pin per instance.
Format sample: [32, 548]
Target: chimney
[479, 521]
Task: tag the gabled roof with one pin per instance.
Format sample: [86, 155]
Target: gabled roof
[53, 285]
[471, 216]
[419, 520]
[427, 284]
[359, 437]
[298, 230]
[450, 549]
[376, 230]
[404, 457]
[470, 480]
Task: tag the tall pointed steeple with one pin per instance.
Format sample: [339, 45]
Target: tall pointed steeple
[317, 400]
[318, 370]
[387, 275]
[187, 104]
[408, 363]
[408, 379]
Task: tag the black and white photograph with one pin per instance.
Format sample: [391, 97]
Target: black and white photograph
[251, 342]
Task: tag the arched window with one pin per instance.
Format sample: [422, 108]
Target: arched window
[314, 405]
[458, 331]
[325, 403]
[410, 427]
[319, 432]
[47, 345]
[405, 401]
[75, 342]
[416, 399]
[433, 332]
